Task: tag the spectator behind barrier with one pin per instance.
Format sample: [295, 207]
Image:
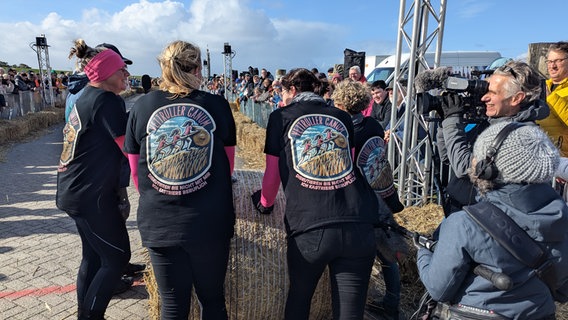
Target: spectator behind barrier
[21, 81]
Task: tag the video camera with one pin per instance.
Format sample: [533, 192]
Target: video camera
[470, 91]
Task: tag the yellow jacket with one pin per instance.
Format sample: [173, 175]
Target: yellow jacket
[556, 124]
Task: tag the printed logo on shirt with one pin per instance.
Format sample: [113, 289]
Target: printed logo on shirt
[179, 148]
[373, 164]
[72, 127]
[320, 152]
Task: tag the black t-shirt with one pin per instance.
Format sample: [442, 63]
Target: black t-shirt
[382, 112]
[89, 166]
[322, 187]
[371, 155]
[184, 174]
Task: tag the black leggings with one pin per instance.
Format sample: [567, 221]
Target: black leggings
[106, 251]
[178, 269]
[348, 250]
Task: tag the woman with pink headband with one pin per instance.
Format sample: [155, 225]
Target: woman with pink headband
[88, 177]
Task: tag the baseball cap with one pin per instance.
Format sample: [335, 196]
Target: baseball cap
[115, 49]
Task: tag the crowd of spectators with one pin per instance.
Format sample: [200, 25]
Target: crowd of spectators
[14, 82]
[264, 87]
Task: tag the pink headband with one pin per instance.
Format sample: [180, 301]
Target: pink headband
[103, 65]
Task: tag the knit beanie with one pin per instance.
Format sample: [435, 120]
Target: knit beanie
[103, 65]
[526, 155]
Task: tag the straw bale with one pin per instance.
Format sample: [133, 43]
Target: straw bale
[20, 128]
[423, 220]
[234, 105]
[256, 285]
[250, 142]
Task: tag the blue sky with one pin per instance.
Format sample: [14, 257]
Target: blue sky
[276, 34]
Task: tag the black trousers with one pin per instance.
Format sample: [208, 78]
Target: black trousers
[348, 249]
[105, 253]
[179, 269]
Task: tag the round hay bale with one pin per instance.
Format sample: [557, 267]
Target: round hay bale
[256, 285]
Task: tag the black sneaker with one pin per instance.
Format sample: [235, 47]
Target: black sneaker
[133, 270]
[123, 285]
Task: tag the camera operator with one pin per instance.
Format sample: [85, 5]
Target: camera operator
[512, 166]
[512, 96]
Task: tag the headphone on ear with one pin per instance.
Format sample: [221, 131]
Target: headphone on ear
[486, 169]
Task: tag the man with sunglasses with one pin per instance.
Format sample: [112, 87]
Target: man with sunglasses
[513, 96]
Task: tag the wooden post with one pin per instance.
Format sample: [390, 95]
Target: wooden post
[537, 55]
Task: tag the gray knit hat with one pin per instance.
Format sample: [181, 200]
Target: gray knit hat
[526, 156]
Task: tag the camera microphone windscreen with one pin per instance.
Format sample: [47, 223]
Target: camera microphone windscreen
[431, 79]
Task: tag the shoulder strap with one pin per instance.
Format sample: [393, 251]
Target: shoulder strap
[507, 232]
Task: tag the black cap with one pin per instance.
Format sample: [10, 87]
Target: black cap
[113, 48]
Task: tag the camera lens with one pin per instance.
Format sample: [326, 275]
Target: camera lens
[478, 87]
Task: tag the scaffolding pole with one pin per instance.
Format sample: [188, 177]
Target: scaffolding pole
[41, 48]
[208, 65]
[411, 155]
[227, 69]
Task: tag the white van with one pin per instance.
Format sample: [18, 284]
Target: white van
[371, 62]
[462, 62]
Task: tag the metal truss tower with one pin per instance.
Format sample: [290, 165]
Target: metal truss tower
[207, 63]
[41, 48]
[227, 69]
[420, 26]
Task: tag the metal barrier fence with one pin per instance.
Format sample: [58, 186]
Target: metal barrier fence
[258, 112]
[25, 102]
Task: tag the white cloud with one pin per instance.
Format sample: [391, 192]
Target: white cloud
[141, 30]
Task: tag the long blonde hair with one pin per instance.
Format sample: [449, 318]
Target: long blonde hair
[181, 66]
[83, 52]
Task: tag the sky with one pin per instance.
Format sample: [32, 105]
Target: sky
[271, 34]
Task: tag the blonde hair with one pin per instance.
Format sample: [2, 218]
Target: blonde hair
[83, 52]
[351, 95]
[180, 62]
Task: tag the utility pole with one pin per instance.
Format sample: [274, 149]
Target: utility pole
[411, 157]
[41, 48]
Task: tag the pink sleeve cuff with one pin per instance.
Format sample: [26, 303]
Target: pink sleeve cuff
[230, 151]
[270, 181]
[133, 162]
[120, 142]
